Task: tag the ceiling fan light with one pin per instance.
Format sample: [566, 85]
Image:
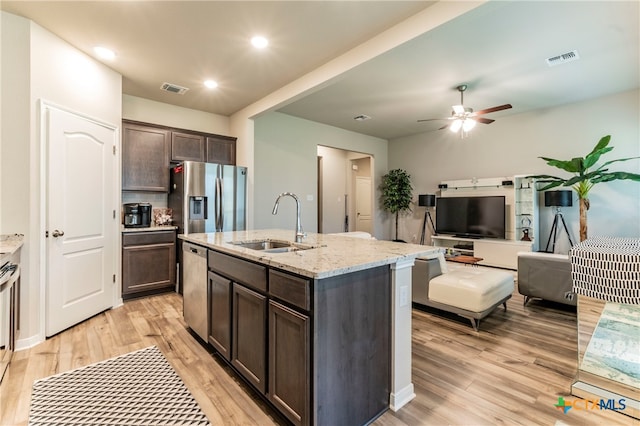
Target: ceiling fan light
[468, 124]
[455, 126]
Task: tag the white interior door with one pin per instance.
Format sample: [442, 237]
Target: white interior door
[363, 204]
[80, 218]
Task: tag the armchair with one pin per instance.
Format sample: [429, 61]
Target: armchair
[545, 276]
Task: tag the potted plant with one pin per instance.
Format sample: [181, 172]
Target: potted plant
[396, 194]
[585, 176]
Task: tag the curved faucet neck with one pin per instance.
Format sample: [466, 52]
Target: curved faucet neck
[299, 232]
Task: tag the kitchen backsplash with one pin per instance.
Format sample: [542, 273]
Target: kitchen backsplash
[156, 200]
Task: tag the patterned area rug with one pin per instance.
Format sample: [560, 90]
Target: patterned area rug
[139, 388]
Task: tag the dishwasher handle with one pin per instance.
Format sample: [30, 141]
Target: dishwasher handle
[194, 249]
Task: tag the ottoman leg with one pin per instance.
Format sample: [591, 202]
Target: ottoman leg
[475, 323]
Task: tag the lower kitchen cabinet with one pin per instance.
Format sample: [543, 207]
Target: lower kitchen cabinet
[248, 325]
[289, 362]
[148, 262]
[316, 349]
[220, 314]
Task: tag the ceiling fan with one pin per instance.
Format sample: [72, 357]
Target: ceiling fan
[464, 119]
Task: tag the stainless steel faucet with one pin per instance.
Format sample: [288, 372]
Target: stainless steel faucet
[299, 232]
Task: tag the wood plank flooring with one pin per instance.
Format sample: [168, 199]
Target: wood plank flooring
[510, 372]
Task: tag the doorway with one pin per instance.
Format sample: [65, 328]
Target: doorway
[345, 191]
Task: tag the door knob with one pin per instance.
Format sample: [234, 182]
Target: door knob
[57, 233]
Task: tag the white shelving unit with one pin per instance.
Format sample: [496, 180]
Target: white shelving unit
[521, 213]
[526, 210]
[494, 252]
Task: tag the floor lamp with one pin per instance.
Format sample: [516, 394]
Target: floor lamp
[426, 200]
[557, 199]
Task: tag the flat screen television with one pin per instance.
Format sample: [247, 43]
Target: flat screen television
[471, 217]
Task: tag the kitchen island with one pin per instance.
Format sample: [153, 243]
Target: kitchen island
[321, 328]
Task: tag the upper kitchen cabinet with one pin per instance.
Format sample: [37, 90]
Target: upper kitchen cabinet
[187, 147]
[145, 158]
[221, 150]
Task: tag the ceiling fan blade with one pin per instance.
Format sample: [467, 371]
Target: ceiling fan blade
[494, 109]
[483, 120]
[458, 109]
[444, 127]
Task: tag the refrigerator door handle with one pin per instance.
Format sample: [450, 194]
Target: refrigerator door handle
[218, 204]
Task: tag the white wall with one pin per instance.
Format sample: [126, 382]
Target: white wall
[512, 145]
[285, 160]
[14, 124]
[242, 125]
[42, 67]
[148, 111]
[334, 184]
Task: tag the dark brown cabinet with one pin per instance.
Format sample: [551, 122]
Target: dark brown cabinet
[248, 325]
[148, 262]
[317, 349]
[148, 151]
[187, 146]
[289, 362]
[145, 158]
[238, 314]
[221, 150]
[220, 314]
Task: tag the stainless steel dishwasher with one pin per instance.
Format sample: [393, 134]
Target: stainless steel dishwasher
[194, 288]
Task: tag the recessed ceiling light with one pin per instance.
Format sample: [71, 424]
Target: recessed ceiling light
[259, 42]
[210, 84]
[104, 53]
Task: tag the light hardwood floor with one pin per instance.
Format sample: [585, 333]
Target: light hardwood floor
[510, 372]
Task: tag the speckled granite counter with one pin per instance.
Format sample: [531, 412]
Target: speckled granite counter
[149, 228]
[9, 244]
[332, 254]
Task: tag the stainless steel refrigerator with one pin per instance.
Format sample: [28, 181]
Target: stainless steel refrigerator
[207, 197]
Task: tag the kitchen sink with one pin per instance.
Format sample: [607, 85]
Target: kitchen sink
[272, 246]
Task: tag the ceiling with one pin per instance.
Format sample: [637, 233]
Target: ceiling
[498, 49]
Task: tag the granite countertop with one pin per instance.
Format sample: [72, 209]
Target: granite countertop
[9, 244]
[332, 254]
[149, 228]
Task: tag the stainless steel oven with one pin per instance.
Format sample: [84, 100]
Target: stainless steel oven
[9, 312]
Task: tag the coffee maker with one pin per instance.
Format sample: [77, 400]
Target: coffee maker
[137, 215]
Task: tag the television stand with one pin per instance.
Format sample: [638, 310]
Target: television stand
[464, 246]
[493, 251]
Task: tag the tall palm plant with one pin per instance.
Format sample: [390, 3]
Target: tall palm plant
[584, 178]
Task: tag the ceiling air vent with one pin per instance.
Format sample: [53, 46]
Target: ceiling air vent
[173, 88]
[563, 59]
[362, 117]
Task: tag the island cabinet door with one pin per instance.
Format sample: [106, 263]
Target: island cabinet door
[289, 362]
[219, 292]
[249, 319]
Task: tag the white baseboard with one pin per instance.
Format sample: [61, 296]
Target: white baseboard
[400, 399]
[29, 342]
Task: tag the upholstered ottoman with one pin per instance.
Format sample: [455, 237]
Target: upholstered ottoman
[472, 293]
